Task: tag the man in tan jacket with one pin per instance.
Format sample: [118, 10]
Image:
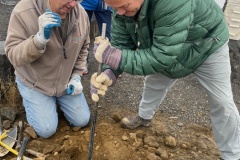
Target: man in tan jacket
[47, 44]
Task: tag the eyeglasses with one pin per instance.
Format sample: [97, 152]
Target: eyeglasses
[78, 1]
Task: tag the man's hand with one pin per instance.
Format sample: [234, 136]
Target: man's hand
[74, 86]
[104, 53]
[99, 84]
[46, 22]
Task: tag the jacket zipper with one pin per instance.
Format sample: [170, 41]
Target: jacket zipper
[64, 53]
[136, 27]
[136, 31]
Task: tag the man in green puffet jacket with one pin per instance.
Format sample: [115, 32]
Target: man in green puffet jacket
[165, 40]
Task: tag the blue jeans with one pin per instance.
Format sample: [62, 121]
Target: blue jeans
[41, 110]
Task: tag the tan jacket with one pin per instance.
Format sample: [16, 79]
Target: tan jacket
[47, 72]
[232, 15]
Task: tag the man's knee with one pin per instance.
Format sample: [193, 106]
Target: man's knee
[81, 121]
[47, 131]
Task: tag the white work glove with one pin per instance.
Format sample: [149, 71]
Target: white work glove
[74, 86]
[46, 22]
[99, 84]
[105, 53]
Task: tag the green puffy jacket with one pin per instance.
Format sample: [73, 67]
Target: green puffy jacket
[172, 37]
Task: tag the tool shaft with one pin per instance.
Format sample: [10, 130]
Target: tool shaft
[104, 27]
[23, 148]
[96, 104]
[20, 124]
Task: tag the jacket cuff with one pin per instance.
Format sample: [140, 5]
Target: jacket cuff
[40, 46]
[116, 72]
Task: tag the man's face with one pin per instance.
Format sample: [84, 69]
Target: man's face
[62, 7]
[125, 7]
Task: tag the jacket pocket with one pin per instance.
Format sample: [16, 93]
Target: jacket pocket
[203, 45]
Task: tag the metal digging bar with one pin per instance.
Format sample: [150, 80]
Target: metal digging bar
[96, 105]
[23, 148]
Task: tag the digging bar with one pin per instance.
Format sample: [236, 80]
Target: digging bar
[96, 105]
[23, 148]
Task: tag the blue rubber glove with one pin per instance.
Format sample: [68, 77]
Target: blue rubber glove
[74, 86]
[46, 22]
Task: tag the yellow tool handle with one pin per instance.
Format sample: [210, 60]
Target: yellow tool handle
[9, 148]
[12, 150]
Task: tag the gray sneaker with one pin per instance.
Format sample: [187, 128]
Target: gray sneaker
[134, 122]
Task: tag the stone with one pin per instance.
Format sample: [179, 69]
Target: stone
[151, 141]
[170, 141]
[163, 153]
[117, 117]
[8, 113]
[6, 124]
[75, 129]
[31, 132]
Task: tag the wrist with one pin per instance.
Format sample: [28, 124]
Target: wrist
[40, 46]
[112, 56]
[111, 76]
[75, 76]
[41, 39]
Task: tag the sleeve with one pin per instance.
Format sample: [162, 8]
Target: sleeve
[19, 45]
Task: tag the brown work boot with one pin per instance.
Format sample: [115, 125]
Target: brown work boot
[134, 122]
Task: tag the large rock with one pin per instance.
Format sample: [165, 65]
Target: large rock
[6, 68]
[8, 113]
